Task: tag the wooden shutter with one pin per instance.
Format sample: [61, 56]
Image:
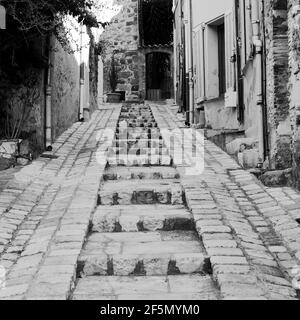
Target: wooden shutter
[230, 65]
[2, 17]
[199, 66]
[196, 54]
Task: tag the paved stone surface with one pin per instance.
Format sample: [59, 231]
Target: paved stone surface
[45, 212]
[225, 236]
[232, 210]
[143, 253]
[136, 218]
[191, 287]
[7, 175]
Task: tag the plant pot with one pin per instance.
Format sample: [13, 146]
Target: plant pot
[114, 97]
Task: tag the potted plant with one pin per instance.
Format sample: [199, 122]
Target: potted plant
[113, 96]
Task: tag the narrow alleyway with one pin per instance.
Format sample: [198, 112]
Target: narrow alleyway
[143, 243]
[141, 227]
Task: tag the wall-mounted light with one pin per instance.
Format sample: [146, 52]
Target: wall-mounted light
[2, 17]
[296, 14]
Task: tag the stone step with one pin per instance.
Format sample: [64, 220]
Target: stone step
[141, 218]
[140, 160]
[136, 114]
[143, 253]
[133, 151]
[134, 192]
[179, 288]
[140, 124]
[132, 173]
[137, 133]
[139, 143]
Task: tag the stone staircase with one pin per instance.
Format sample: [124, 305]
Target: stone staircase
[142, 243]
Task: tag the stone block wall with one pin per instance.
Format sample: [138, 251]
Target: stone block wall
[277, 94]
[65, 90]
[123, 37]
[294, 87]
[22, 104]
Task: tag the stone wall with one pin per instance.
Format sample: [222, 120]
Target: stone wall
[22, 102]
[294, 87]
[279, 125]
[22, 99]
[122, 34]
[65, 91]
[66, 79]
[93, 76]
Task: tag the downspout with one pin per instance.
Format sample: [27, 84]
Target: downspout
[204, 62]
[259, 58]
[174, 52]
[48, 113]
[81, 95]
[264, 80]
[186, 73]
[183, 69]
[191, 62]
[239, 76]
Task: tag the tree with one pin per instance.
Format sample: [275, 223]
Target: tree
[29, 18]
[45, 15]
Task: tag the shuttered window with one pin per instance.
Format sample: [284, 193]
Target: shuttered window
[199, 64]
[245, 25]
[230, 63]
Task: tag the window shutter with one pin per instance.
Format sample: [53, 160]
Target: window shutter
[2, 17]
[199, 66]
[230, 56]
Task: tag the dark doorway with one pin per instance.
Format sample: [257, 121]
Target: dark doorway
[158, 76]
[221, 49]
[156, 22]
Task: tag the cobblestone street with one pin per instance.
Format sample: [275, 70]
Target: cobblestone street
[81, 223]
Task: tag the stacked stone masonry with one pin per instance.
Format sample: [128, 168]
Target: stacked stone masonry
[123, 41]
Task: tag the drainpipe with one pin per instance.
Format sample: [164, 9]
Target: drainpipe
[259, 59]
[204, 62]
[174, 53]
[264, 80]
[81, 95]
[191, 62]
[48, 112]
[184, 77]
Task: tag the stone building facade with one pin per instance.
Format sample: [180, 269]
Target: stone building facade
[241, 76]
[294, 84]
[124, 43]
[277, 78]
[122, 38]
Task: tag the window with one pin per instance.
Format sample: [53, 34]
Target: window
[156, 22]
[245, 26]
[221, 59]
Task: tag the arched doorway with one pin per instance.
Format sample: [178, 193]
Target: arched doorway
[159, 82]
